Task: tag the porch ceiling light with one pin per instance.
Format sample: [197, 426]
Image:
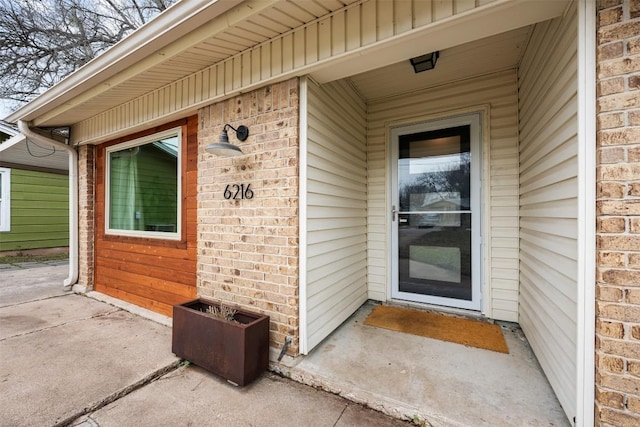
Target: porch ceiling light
[425, 62]
[223, 147]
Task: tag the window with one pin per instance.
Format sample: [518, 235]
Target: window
[143, 187]
[5, 199]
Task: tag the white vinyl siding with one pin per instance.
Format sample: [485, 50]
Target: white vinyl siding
[336, 207]
[548, 201]
[498, 91]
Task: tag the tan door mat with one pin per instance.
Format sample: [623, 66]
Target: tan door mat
[438, 326]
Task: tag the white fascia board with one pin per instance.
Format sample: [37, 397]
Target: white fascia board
[175, 22]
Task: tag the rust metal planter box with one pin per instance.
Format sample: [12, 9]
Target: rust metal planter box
[237, 351]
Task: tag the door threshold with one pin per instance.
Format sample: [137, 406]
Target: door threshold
[454, 311]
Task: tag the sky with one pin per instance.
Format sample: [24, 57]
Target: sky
[5, 109]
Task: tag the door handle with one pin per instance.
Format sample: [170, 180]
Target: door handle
[393, 213]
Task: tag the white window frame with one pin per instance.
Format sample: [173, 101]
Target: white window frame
[165, 235]
[5, 201]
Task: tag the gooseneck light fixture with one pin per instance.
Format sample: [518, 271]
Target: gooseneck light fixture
[224, 148]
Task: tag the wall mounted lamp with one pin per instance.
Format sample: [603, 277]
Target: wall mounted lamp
[223, 147]
[425, 62]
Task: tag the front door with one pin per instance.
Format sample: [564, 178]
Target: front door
[436, 212]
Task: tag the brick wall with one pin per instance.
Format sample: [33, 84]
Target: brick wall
[86, 198]
[248, 249]
[618, 214]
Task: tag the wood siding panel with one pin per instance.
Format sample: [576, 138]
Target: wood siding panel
[152, 273]
[336, 207]
[499, 92]
[39, 211]
[547, 81]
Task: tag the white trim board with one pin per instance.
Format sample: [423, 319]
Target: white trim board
[586, 213]
[302, 221]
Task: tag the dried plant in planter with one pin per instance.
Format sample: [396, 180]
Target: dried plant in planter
[232, 343]
[223, 312]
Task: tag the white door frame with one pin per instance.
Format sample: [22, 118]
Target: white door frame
[474, 120]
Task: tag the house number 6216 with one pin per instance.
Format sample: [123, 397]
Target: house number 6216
[238, 191]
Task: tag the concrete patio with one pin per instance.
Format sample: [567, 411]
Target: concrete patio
[72, 360]
[93, 353]
[442, 383]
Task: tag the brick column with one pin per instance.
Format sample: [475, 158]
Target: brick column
[248, 247]
[86, 203]
[618, 214]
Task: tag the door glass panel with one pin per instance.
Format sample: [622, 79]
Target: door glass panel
[434, 222]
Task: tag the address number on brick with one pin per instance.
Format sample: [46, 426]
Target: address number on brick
[238, 191]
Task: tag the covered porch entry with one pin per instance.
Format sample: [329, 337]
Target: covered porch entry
[516, 90]
[431, 382]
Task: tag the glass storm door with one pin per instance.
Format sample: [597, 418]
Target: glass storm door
[435, 214]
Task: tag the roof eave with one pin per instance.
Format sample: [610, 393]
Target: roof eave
[175, 22]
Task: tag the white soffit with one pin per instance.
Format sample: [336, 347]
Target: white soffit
[497, 18]
[480, 57]
[218, 30]
[212, 32]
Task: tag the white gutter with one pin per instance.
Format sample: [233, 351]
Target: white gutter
[73, 196]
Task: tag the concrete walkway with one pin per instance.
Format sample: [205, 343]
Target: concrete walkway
[71, 360]
[23, 282]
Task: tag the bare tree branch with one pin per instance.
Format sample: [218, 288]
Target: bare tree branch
[41, 42]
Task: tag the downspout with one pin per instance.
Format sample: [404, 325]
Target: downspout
[73, 197]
